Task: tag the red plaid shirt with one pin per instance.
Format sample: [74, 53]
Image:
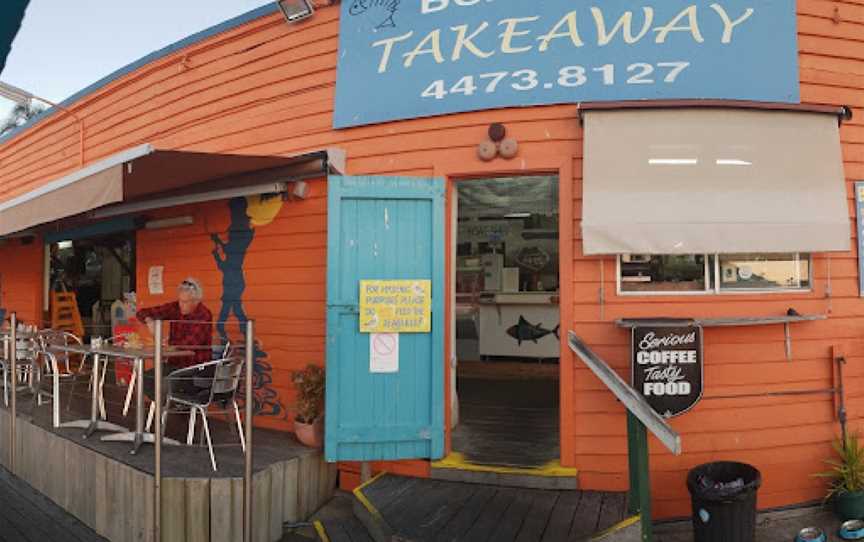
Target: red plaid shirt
[197, 334]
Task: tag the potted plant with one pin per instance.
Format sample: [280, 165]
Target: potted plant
[309, 421]
[846, 475]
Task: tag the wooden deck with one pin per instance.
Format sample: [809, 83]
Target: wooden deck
[111, 491]
[431, 510]
[28, 516]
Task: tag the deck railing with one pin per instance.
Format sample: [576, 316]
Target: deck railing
[641, 418]
[248, 524]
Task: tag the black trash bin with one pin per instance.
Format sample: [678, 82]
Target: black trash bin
[723, 495]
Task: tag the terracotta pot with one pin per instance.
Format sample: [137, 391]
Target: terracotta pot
[310, 434]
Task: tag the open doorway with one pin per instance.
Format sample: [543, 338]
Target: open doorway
[99, 270]
[507, 317]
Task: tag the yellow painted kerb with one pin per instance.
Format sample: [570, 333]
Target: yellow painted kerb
[617, 527]
[457, 461]
[370, 481]
[322, 532]
[358, 494]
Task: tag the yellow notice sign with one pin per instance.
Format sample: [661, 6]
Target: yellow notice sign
[395, 306]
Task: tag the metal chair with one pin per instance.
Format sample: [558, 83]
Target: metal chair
[217, 388]
[52, 360]
[55, 337]
[114, 340]
[219, 352]
[27, 350]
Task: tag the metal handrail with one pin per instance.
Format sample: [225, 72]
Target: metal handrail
[640, 418]
[633, 400]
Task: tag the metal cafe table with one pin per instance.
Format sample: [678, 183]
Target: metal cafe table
[137, 355]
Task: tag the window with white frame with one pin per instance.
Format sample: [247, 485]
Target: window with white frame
[703, 273]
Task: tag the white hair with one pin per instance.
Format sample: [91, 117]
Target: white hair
[192, 286]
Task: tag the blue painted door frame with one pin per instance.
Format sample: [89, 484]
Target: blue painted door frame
[383, 228]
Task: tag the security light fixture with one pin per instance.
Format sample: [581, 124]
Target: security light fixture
[296, 10]
[17, 95]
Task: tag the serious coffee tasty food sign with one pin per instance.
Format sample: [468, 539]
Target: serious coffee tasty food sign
[401, 59]
[667, 367]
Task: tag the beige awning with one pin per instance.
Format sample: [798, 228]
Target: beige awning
[144, 172]
[696, 181]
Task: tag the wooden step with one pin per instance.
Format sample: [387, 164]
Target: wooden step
[342, 530]
[552, 476]
[401, 508]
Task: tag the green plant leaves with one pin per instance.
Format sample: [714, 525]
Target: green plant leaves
[846, 472]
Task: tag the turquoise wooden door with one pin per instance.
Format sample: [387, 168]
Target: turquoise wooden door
[383, 228]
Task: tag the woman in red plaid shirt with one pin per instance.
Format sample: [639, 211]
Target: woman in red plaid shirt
[190, 328]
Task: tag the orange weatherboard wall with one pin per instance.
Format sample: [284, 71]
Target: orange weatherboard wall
[267, 88]
[284, 270]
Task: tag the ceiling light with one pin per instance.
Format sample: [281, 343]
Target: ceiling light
[733, 162]
[64, 245]
[517, 215]
[296, 10]
[673, 161]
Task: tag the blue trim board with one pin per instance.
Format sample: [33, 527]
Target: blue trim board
[105, 227]
[143, 61]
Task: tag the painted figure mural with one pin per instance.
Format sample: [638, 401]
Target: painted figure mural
[230, 254]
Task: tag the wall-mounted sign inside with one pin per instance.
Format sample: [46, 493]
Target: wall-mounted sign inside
[667, 367]
[155, 282]
[395, 306]
[400, 60]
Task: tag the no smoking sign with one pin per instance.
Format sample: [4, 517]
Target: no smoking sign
[384, 352]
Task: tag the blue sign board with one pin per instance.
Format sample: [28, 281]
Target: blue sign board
[401, 59]
[859, 205]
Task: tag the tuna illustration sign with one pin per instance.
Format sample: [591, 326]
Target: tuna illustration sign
[667, 367]
[400, 60]
[526, 331]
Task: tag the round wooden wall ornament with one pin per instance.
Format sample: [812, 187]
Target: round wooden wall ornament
[508, 148]
[487, 150]
[497, 132]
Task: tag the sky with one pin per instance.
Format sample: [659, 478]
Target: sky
[64, 46]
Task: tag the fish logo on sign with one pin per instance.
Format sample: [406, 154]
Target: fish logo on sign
[526, 331]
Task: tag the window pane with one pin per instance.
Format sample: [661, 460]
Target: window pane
[681, 273]
[764, 271]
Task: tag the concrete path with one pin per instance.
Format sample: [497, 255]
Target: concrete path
[28, 516]
[779, 526]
